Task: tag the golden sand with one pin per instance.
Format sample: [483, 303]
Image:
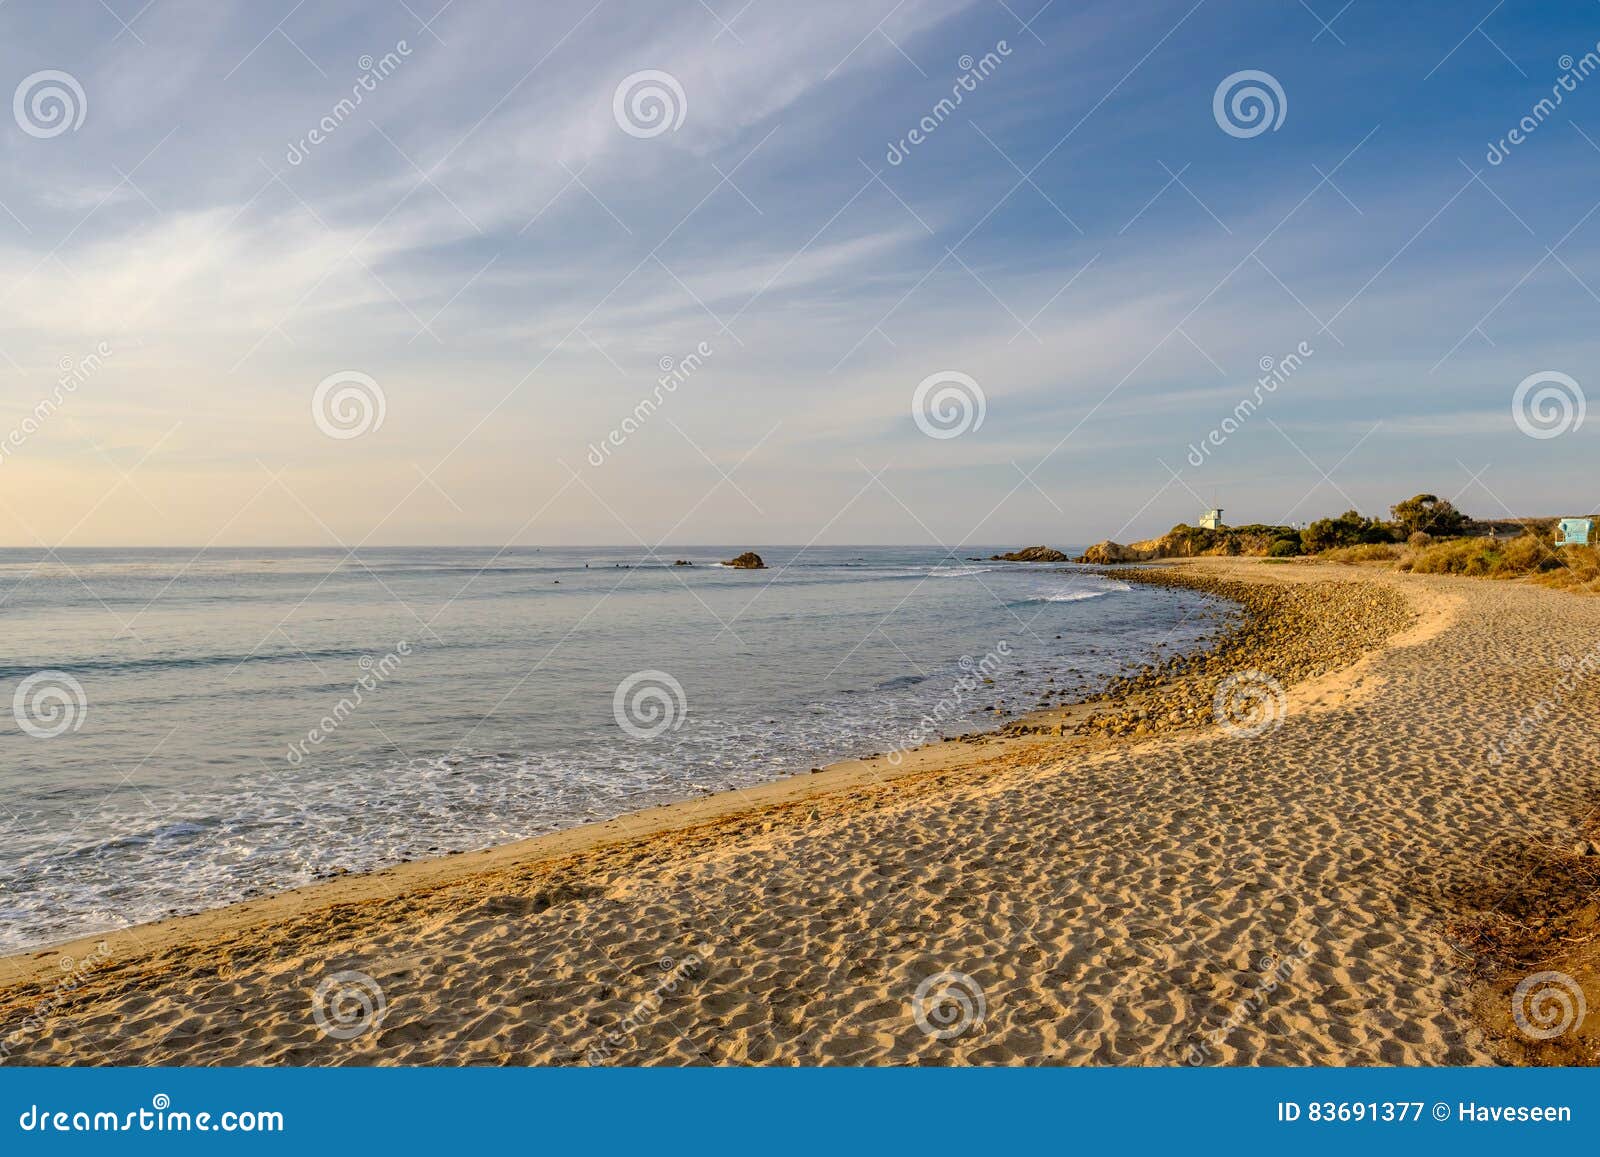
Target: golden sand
[1184, 896]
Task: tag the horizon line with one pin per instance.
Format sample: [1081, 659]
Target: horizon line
[491, 546]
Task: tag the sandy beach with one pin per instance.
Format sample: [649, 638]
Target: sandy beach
[1123, 882]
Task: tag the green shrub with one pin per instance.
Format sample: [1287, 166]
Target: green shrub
[1284, 548]
[1349, 529]
[1428, 514]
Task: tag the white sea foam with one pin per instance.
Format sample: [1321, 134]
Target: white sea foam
[204, 827]
[1078, 593]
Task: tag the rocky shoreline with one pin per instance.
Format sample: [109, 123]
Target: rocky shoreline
[1287, 633]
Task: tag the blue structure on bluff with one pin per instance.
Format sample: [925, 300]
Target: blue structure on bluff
[1574, 531]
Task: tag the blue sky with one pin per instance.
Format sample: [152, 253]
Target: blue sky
[482, 241]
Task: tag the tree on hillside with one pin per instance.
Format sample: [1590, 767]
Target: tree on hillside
[1429, 514]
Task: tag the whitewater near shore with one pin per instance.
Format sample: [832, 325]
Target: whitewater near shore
[1191, 895]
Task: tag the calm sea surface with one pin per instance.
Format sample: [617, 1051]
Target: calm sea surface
[187, 731]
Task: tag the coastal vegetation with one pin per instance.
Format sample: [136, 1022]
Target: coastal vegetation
[1424, 534]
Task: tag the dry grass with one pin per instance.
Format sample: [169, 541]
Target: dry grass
[1529, 556]
[1520, 917]
[1566, 567]
[1366, 552]
[1577, 568]
[1539, 914]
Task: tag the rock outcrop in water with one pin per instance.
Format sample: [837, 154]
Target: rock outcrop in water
[1102, 553]
[749, 560]
[1031, 554]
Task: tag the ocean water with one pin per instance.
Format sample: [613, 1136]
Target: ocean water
[190, 730]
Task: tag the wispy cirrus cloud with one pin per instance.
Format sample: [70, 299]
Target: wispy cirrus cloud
[481, 237]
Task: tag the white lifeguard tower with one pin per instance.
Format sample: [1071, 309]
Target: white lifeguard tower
[1211, 519]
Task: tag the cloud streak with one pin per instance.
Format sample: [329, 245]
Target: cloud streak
[480, 236]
